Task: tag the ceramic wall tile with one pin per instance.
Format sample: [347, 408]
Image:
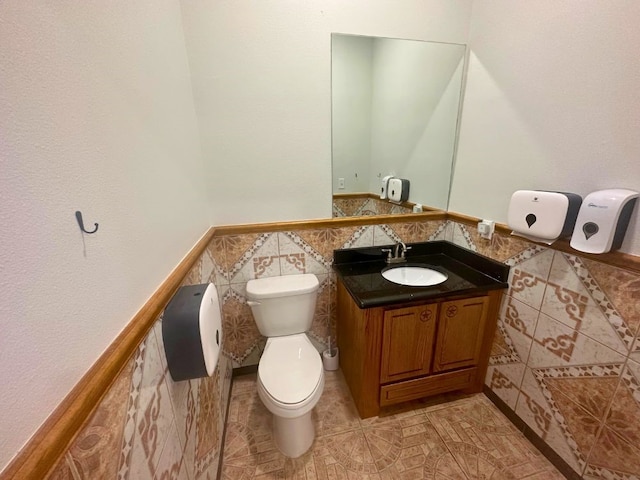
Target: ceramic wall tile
[519, 322]
[347, 207]
[528, 279]
[359, 206]
[505, 380]
[384, 235]
[417, 231]
[556, 344]
[239, 328]
[616, 453]
[510, 349]
[96, 450]
[170, 462]
[319, 243]
[574, 299]
[296, 256]
[545, 418]
[511, 249]
[154, 414]
[320, 328]
[251, 256]
[147, 425]
[462, 237]
[361, 237]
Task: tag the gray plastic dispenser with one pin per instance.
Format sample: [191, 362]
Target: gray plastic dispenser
[603, 220]
[192, 332]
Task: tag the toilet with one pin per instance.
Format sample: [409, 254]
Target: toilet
[290, 374]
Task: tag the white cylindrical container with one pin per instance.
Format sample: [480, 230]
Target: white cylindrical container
[331, 362]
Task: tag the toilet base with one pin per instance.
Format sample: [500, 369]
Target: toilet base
[293, 436]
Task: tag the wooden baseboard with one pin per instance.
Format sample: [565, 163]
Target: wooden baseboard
[54, 436]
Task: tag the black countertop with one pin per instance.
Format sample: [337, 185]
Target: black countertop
[468, 273]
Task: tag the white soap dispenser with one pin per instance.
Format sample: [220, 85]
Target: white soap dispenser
[603, 220]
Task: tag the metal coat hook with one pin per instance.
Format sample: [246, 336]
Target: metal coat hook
[81, 223]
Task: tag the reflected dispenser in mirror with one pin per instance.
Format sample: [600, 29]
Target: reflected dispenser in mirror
[603, 220]
[543, 216]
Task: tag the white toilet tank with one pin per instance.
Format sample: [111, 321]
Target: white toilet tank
[283, 305]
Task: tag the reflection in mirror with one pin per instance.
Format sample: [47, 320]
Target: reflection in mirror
[395, 110]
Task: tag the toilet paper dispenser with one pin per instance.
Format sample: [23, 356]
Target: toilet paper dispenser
[192, 332]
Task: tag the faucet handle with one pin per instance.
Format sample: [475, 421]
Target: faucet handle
[388, 251]
[405, 249]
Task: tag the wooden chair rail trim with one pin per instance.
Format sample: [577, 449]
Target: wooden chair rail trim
[622, 260]
[51, 440]
[339, 222]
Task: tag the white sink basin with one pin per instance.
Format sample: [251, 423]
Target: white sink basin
[414, 276]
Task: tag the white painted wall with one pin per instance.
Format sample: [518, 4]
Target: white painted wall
[96, 114]
[261, 73]
[551, 103]
[416, 92]
[351, 92]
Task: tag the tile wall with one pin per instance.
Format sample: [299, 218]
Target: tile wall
[565, 359]
[566, 356]
[240, 258]
[150, 427]
[351, 207]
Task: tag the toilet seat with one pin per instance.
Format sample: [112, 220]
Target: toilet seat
[290, 371]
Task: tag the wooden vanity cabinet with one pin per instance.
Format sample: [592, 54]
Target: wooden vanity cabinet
[398, 353]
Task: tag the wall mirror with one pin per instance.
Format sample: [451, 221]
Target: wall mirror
[395, 107]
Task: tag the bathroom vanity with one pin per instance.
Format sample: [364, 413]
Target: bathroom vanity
[399, 342]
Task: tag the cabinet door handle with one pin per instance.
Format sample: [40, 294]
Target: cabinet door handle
[451, 311]
[425, 315]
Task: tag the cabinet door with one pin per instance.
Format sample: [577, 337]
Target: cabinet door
[407, 342]
[460, 328]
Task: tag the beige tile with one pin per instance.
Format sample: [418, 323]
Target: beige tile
[519, 322]
[504, 380]
[534, 408]
[568, 300]
[241, 334]
[252, 256]
[384, 235]
[465, 438]
[556, 344]
[417, 231]
[512, 250]
[624, 415]
[528, 279]
[95, 451]
[613, 457]
[484, 443]
[296, 256]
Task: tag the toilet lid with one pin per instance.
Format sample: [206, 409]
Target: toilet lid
[290, 368]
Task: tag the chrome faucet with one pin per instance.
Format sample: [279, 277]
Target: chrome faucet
[397, 254]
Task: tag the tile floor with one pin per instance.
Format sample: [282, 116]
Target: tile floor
[467, 438]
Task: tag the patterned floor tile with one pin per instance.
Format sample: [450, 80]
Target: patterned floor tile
[484, 443]
[462, 439]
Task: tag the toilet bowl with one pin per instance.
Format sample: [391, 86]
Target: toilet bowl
[290, 383]
[290, 373]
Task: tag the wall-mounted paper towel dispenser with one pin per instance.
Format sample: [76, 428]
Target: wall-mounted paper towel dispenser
[543, 216]
[603, 220]
[192, 332]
